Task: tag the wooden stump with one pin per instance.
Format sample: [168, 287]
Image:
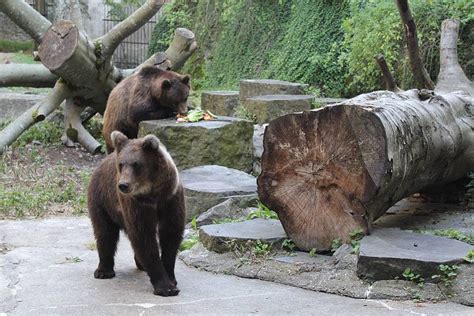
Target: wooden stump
[335, 170]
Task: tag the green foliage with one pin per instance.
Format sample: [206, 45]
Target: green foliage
[470, 256]
[374, 27]
[289, 40]
[23, 58]
[189, 242]
[447, 274]
[354, 237]
[410, 275]
[7, 46]
[194, 223]
[46, 132]
[262, 212]
[119, 10]
[313, 252]
[288, 245]
[336, 243]
[261, 249]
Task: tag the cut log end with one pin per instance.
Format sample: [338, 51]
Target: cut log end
[58, 44]
[318, 170]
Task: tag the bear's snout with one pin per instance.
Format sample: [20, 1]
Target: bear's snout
[182, 108]
[124, 187]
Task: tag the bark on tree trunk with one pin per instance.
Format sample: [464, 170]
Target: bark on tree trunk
[23, 75]
[331, 171]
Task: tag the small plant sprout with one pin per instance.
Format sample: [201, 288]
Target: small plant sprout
[447, 274]
[312, 252]
[261, 249]
[336, 243]
[262, 212]
[189, 242]
[73, 259]
[410, 275]
[194, 223]
[355, 236]
[470, 256]
[288, 245]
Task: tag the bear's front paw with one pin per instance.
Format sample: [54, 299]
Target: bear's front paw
[169, 290]
[104, 273]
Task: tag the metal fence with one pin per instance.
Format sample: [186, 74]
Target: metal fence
[134, 49]
[45, 7]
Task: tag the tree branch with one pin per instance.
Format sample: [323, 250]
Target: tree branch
[74, 131]
[118, 33]
[180, 49]
[451, 77]
[76, 15]
[36, 113]
[387, 75]
[30, 20]
[26, 75]
[422, 77]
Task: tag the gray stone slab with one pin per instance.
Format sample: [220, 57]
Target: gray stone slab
[225, 141]
[388, 252]
[255, 87]
[232, 208]
[220, 102]
[207, 186]
[268, 107]
[13, 105]
[218, 236]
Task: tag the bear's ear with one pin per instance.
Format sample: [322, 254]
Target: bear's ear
[151, 142]
[186, 79]
[119, 140]
[165, 84]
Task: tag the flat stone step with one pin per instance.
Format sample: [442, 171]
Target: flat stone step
[269, 107]
[226, 141]
[250, 88]
[218, 236]
[320, 102]
[13, 105]
[389, 251]
[207, 186]
[220, 102]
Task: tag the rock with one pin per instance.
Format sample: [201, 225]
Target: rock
[463, 288]
[220, 102]
[268, 107]
[258, 132]
[256, 87]
[207, 186]
[233, 208]
[303, 259]
[388, 252]
[13, 105]
[344, 258]
[226, 141]
[403, 290]
[218, 236]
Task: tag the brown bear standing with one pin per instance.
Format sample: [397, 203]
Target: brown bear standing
[137, 189]
[150, 94]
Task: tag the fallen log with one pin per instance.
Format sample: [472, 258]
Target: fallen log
[332, 171]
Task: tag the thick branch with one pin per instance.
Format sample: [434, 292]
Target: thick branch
[180, 49]
[387, 74]
[26, 75]
[74, 131]
[36, 113]
[75, 14]
[30, 20]
[422, 77]
[118, 33]
[451, 76]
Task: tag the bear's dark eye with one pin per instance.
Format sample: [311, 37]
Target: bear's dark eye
[136, 166]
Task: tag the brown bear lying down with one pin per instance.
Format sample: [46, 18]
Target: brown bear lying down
[137, 189]
[150, 94]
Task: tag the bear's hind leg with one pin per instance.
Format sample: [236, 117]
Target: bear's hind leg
[107, 235]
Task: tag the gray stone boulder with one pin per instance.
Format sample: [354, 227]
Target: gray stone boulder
[225, 141]
[13, 105]
[258, 133]
[389, 251]
[220, 102]
[268, 107]
[218, 237]
[255, 87]
[207, 186]
[235, 208]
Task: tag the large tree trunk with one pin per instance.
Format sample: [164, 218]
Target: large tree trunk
[332, 171]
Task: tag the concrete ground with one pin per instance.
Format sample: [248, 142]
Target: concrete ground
[47, 265]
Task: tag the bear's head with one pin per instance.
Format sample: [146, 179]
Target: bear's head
[144, 167]
[168, 88]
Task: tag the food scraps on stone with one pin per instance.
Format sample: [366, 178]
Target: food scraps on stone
[195, 115]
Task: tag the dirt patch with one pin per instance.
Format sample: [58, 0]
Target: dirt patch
[5, 58]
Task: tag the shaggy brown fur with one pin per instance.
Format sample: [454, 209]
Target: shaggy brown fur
[137, 189]
[150, 94]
